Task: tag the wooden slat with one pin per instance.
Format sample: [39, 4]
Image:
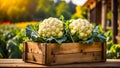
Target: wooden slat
[76, 48]
[77, 57]
[24, 55]
[43, 49]
[104, 51]
[48, 54]
[29, 56]
[11, 61]
[33, 52]
[38, 58]
[33, 57]
[19, 63]
[33, 47]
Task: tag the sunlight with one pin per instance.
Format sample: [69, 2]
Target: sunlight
[79, 2]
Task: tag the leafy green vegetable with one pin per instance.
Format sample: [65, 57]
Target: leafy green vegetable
[32, 34]
[89, 41]
[114, 52]
[101, 37]
[58, 40]
[11, 39]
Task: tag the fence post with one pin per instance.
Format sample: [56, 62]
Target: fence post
[114, 7]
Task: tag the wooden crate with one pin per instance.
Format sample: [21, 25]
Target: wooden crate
[52, 53]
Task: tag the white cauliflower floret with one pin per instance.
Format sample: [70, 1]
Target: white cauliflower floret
[51, 27]
[82, 27]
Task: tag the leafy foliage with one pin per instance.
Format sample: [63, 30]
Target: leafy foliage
[33, 35]
[81, 12]
[113, 50]
[45, 9]
[63, 9]
[29, 10]
[11, 38]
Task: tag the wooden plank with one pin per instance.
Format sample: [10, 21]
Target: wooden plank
[16, 63]
[19, 63]
[11, 61]
[43, 49]
[29, 56]
[24, 55]
[77, 57]
[38, 58]
[48, 54]
[76, 48]
[32, 52]
[33, 57]
[104, 51]
[33, 47]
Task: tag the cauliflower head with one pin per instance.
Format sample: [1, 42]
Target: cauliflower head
[82, 27]
[51, 27]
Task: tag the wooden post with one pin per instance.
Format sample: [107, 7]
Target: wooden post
[88, 14]
[114, 19]
[98, 13]
[103, 14]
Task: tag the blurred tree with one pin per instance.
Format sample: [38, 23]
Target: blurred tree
[80, 12]
[30, 9]
[45, 8]
[17, 10]
[3, 16]
[27, 10]
[57, 2]
[63, 9]
[71, 7]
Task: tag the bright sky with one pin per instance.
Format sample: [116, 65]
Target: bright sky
[77, 2]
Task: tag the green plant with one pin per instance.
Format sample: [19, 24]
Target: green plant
[11, 39]
[113, 50]
[32, 34]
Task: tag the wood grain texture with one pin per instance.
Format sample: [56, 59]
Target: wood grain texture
[76, 48]
[77, 58]
[104, 51]
[64, 53]
[47, 54]
[20, 63]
